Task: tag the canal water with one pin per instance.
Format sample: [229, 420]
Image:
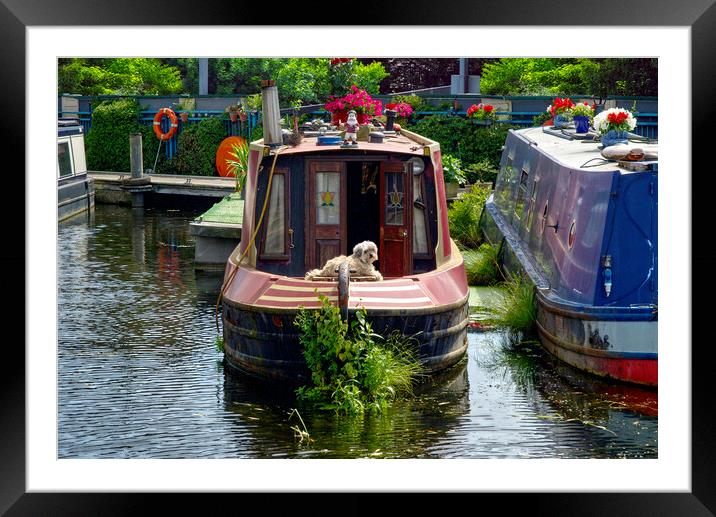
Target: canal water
[140, 376]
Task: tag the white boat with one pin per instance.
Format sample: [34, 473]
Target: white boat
[75, 190]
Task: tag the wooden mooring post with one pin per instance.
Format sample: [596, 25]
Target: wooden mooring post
[138, 183]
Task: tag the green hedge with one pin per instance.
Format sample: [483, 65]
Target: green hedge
[196, 148]
[107, 143]
[459, 137]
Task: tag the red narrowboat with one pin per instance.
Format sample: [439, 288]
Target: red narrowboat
[308, 203]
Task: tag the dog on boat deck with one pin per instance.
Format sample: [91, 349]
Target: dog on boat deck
[364, 254]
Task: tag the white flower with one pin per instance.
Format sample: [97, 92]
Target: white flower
[601, 122]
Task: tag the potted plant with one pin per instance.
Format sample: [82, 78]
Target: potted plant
[233, 110]
[561, 111]
[184, 106]
[358, 100]
[481, 114]
[582, 114]
[453, 175]
[254, 103]
[614, 125]
[238, 164]
[243, 116]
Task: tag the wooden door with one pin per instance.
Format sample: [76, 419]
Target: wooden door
[326, 213]
[395, 250]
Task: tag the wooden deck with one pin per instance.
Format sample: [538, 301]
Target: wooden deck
[208, 186]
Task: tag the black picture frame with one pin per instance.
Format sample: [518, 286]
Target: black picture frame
[17, 15]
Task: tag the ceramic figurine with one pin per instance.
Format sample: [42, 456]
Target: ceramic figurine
[351, 126]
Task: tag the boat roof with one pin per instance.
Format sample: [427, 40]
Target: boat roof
[404, 142]
[575, 152]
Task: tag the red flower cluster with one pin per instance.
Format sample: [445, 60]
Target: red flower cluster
[390, 106]
[480, 111]
[617, 118]
[402, 108]
[358, 100]
[560, 105]
[340, 60]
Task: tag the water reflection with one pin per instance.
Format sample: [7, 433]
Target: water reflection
[139, 375]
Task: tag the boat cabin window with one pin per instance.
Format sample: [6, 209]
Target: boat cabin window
[64, 159]
[275, 242]
[421, 244]
[522, 190]
[532, 205]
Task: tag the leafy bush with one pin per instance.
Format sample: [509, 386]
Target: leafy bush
[460, 138]
[481, 265]
[196, 147]
[464, 217]
[353, 369]
[107, 143]
[536, 76]
[415, 101]
[452, 169]
[482, 171]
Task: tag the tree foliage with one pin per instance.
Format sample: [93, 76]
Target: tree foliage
[118, 76]
[553, 76]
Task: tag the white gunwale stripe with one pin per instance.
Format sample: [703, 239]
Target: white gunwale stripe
[370, 299]
[293, 298]
[386, 288]
[305, 289]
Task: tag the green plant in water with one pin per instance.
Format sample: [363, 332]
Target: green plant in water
[219, 344]
[517, 309]
[481, 265]
[239, 163]
[298, 433]
[352, 368]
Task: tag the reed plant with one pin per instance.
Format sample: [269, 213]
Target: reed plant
[481, 265]
[517, 309]
[353, 370]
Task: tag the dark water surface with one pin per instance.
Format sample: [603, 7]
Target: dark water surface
[140, 377]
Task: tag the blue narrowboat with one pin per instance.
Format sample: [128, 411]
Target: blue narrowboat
[75, 190]
[583, 230]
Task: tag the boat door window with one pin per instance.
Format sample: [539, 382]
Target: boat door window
[274, 241]
[394, 202]
[64, 159]
[328, 198]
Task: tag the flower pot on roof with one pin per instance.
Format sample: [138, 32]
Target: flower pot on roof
[614, 125]
[582, 114]
[481, 114]
[561, 111]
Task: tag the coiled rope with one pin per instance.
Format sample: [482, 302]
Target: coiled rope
[251, 241]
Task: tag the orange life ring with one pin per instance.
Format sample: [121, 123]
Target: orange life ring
[174, 123]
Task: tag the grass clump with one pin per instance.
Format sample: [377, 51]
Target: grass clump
[517, 309]
[481, 265]
[464, 216]
[352, 369]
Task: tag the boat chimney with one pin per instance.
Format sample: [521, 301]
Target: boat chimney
[273, 135]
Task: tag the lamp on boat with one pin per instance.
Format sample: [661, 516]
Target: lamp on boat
[418, 165]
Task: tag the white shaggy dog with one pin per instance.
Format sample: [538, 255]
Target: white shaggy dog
[364, 254]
